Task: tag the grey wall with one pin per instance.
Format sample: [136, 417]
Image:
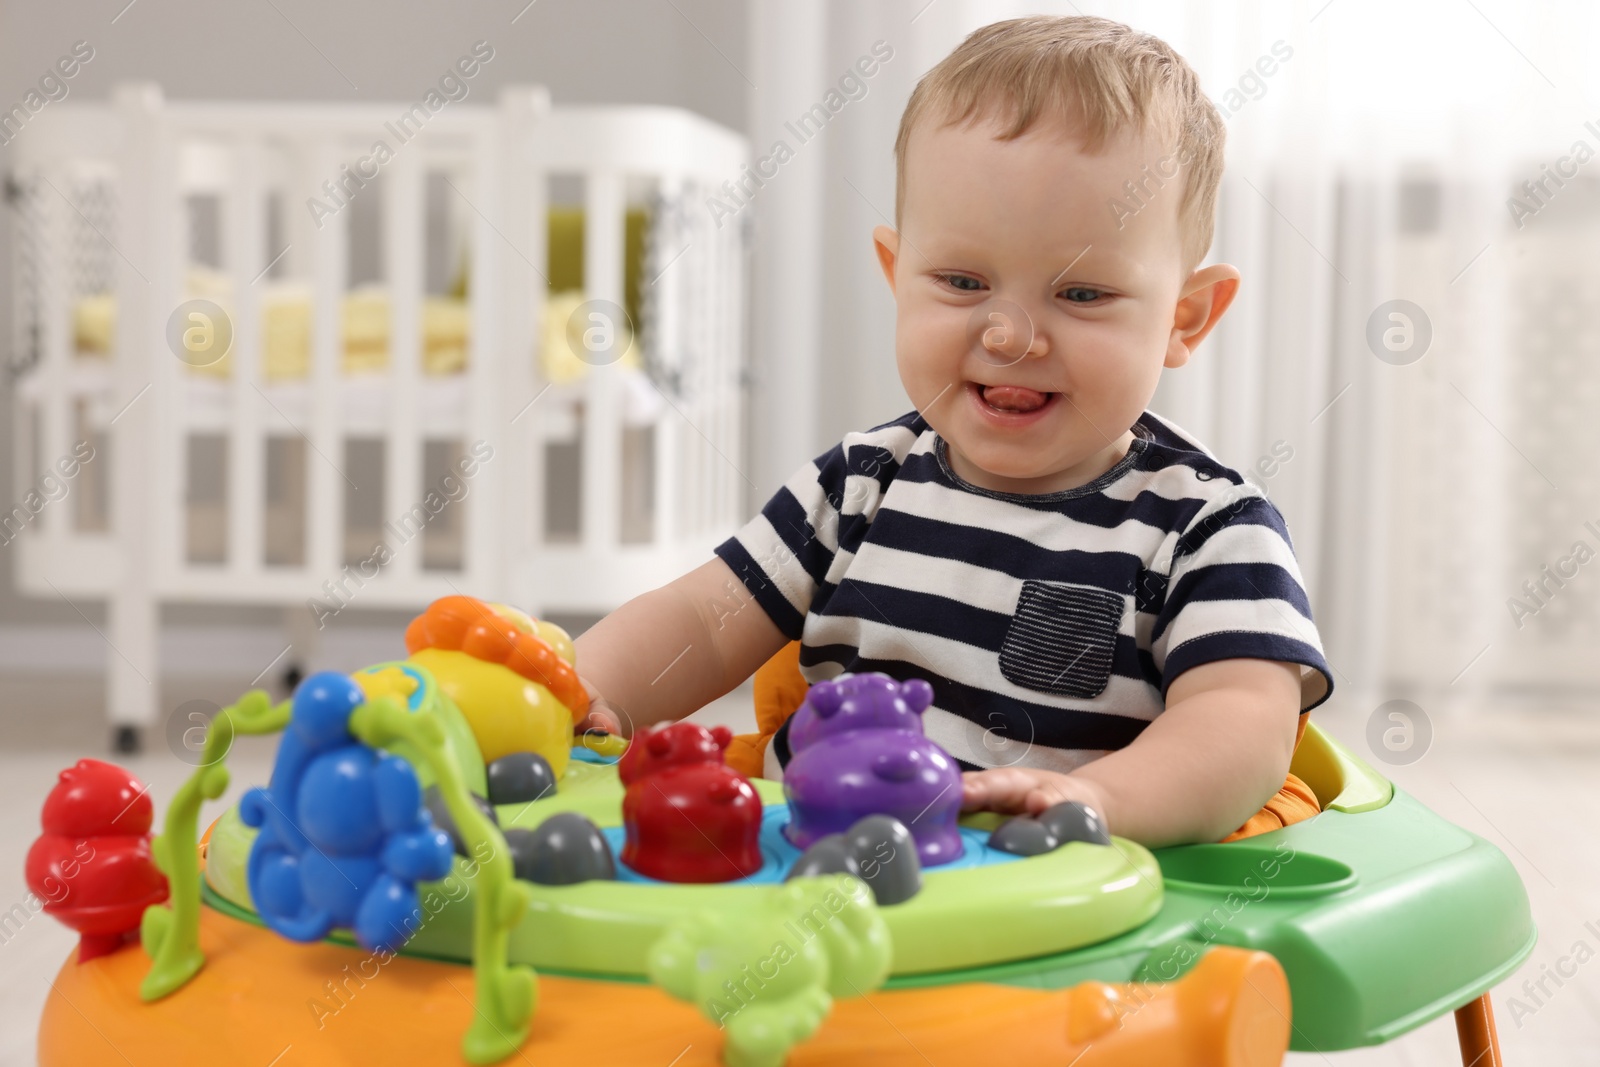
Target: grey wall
[586, 51]
[685, 53]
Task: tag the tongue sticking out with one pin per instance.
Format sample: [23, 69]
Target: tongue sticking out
[1014, 398]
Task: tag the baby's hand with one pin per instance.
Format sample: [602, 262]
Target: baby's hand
[1026, 791]
[601, 716]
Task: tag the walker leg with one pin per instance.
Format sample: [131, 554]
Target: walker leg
[1480, 1046]
[133, 665]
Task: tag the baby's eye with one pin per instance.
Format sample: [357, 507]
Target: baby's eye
[1082, 295]
[961, 282]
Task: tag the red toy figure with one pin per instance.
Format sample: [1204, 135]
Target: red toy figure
[92, 866]
[689, 816]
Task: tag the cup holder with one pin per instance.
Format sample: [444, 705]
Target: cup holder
[1223, 869]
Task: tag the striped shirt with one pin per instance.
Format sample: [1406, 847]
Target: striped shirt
[1049, 625]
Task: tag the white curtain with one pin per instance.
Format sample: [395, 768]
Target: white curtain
[1373, 164]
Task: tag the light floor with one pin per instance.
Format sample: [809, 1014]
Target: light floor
[1527, 780]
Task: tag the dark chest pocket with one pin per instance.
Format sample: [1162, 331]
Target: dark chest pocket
[1062, 638]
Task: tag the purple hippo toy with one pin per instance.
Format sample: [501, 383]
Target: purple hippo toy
[858, 750]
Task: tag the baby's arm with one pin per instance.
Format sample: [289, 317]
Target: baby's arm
[1207, 763]
[669, 652]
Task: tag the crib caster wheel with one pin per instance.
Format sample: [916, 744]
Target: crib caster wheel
[125, 741]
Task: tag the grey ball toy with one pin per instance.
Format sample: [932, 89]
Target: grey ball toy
[563, 850]
[520, 777]
[1022, 835]
[1073, 821]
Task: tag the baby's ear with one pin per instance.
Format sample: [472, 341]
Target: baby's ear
[886, 242]
[1205, 296]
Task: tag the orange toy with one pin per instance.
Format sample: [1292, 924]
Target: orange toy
[510, 675]
[262, 999]
[466, 624]
[1231, 1010]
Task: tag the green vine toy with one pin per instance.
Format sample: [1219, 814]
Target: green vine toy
[505, 994]
[170, 933]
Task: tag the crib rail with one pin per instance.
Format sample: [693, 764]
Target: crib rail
[143, 407]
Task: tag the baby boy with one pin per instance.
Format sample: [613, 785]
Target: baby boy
[1106, 613]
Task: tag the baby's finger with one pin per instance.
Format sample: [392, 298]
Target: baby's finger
[1003, 789]
[1045, 794]
[598, 718]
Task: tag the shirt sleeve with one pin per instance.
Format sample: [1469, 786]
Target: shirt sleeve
[783, 554]
[1235, 591]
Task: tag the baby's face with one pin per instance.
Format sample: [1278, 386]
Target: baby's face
[1031, 328]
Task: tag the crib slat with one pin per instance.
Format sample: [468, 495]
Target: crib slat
[402, 224]
[167, 483]
[517, 470]
[144, 293]
[666, 301]
[243, 251]
[55, 413]
[490, 375]
[329, 269]
[602, 419]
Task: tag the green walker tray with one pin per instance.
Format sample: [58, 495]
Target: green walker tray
[1382, 914]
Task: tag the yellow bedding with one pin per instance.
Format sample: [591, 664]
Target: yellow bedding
[286, 331]
[446, 320]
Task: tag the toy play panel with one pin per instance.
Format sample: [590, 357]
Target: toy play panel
[1381, 914]
[968, 913]
[1374, 915]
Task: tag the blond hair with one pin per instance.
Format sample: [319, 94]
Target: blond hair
[1106, 76]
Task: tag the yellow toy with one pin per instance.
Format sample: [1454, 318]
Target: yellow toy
[510, 675]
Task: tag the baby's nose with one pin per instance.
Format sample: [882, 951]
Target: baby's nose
[1008, 334]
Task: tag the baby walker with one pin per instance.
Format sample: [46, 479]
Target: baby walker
[435, 874]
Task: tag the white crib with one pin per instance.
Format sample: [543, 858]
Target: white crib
[240, 488]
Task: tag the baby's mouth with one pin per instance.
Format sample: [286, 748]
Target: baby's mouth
[1013, 398]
